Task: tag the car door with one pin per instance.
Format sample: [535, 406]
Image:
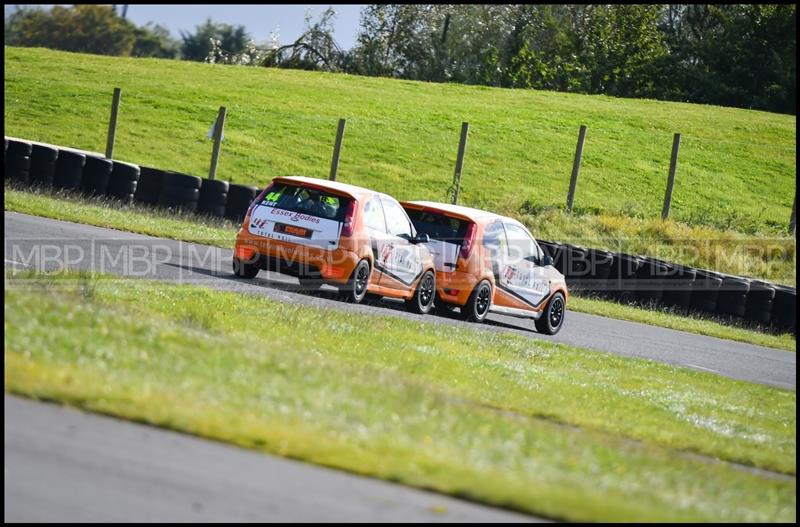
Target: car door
[522, 273]
[375, 222]
[401, 261]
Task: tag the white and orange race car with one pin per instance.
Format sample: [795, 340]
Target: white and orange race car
[490, 263]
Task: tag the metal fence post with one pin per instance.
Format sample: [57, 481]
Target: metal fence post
[462, 147]
[337, 147]
[112, 124]
[673, 163]
[576, 167]
[218, 127]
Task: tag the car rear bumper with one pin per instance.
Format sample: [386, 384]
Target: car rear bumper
[334, 266]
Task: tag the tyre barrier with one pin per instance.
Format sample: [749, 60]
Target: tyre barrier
[758, 306]
[69, 170]
[651, 279]
[732, 297]
[622, 277]
[705, 291]
[213, 197]
[576, 266]
[599, 264]
[678, 288]
[784, 309]
[239, 199]
[123, 181]
[18, 161]
[149, 186]
[43, 164]
[179, 191]
[96, 175]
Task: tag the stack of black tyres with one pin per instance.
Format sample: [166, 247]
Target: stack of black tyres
[732, 299]
[43, 164]
[149, 187]
[123, 181]
[784, 308]
[96, 175]
[239, 199]
[213, 197]
[622, 277]
[651, 279]
[758, 307]
[599, 269]
[705, 291]
[18, 161]
[180, 191]
[678, 288]
[69, 169]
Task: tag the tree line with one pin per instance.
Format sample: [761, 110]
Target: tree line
[733, 55]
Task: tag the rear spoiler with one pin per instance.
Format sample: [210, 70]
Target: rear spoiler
[435, 210]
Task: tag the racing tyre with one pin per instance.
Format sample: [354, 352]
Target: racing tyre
[356, 288]
[422, 301]
[245, 269]
[477, 307]
[553, 316]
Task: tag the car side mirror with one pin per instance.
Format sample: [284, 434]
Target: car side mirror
[420, 238]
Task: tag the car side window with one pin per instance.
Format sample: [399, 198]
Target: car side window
[397, 223]
[520, 245]
[494, 239]
[373, 215]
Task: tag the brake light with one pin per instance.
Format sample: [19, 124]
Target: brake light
[469, 241]
[349, 219]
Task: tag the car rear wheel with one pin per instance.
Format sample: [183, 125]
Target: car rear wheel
[553, 316]
[422, 301]
[356, 288]
[477, 307]
[245, 269]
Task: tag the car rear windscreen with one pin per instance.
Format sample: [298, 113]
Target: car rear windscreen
[311, 201]
[438, 226]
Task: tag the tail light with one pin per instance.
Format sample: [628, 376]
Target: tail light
[469, 241]
[349, 219]
[258, 198]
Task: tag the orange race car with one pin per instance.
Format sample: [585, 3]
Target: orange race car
[323, 231]
[486, 262]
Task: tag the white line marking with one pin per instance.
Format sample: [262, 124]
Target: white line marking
[701, 368]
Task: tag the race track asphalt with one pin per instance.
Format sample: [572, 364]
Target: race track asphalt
[62, 465]
[39, 243]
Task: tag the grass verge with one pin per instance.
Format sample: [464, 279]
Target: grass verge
[535, 426]
[221, 233]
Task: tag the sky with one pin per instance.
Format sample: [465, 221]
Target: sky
[259, 20]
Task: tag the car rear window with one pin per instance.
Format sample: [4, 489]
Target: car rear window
[438, 226]
[311, 201]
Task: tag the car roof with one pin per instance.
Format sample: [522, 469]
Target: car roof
[343, 188]
[459, 210]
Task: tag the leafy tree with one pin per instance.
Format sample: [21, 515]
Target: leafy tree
[314, 49]
[198, 45]
[81, 28]
[154, 41]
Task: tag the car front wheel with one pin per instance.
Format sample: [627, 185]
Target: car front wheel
[422, 301]
[553, 316]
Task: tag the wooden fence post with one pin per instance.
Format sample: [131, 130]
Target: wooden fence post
[112, 124]
[576, 167]
[337, 147]
[218, 127]
[462, 147]
[673, 163]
